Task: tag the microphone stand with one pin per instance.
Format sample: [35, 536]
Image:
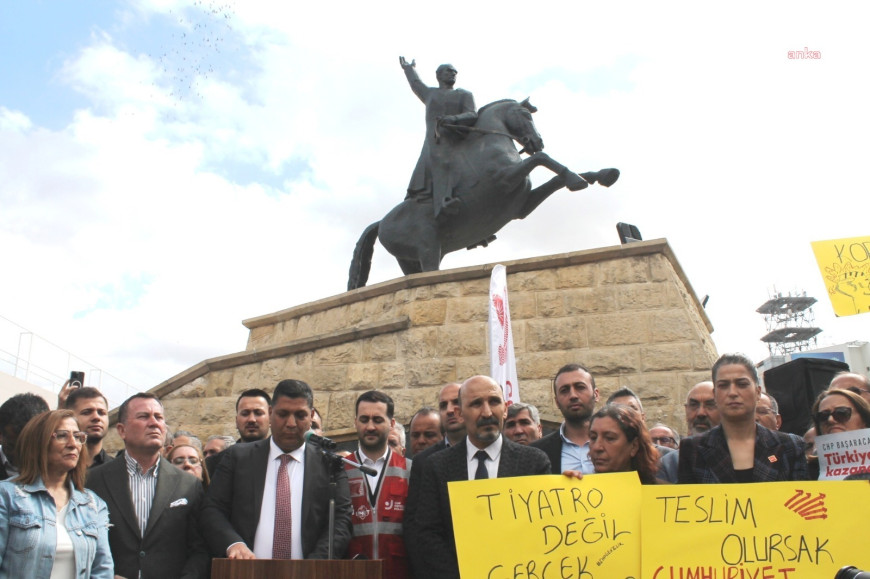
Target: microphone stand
[334, 465]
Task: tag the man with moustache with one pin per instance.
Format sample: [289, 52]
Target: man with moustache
[425, 430]
[576, 394]
[701, 416]
[523, 423]
[484, 453]
[378, 499]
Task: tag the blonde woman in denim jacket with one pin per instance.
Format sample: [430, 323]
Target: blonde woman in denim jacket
[50, 526]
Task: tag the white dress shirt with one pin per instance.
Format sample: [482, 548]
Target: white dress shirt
[266, 526]
[494, 452]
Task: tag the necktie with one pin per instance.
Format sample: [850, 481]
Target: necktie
[481, 457]
[281, 544]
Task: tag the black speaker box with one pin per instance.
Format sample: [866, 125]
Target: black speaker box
[796, 384]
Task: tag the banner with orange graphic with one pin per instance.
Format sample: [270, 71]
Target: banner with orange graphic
[782, 530]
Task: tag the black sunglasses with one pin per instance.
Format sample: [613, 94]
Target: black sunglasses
[841, 414]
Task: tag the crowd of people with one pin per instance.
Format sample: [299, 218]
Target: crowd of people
[168, 504]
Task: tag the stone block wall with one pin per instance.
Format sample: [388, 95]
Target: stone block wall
[626, 312]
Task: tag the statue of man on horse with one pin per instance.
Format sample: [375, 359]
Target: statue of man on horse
[469, 182]
[433, 178]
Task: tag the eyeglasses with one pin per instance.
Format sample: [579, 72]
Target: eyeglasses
[180, 460]
[841, 415]
[663, 440]
[695, 405]
[764, 411]
[62, 436]
[857, 390]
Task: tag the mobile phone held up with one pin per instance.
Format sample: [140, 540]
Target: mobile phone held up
[76, 379]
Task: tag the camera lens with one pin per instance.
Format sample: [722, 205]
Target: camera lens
[850, 572]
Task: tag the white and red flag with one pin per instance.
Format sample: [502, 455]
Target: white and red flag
[503, 363]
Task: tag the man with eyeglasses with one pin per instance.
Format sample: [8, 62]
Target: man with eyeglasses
[663, 435]
[701, 416]
[857, 383]
[767, 412]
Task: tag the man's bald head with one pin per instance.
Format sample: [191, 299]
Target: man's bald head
[481, 404]
[701, 411]
[857, 383]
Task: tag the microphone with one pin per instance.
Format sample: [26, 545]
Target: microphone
[321, 441]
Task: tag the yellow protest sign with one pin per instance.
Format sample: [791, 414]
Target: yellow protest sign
[845, 267]
[547, 527]
[781, 530]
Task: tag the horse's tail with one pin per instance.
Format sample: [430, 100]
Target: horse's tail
[361, 264]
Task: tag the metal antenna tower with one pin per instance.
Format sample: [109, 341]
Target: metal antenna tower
[790, 323]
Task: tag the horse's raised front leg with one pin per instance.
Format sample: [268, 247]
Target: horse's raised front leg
[569, 179]
[540, 194]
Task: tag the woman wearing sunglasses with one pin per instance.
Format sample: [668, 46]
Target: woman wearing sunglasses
[189, 459]
[739, 449]
[840, 411]
[50, 526]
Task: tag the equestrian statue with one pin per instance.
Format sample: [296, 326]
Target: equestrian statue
[470, 179]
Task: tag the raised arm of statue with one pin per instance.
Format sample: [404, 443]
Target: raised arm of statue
[417, 85]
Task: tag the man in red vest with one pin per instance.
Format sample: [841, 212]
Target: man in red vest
[378, 499]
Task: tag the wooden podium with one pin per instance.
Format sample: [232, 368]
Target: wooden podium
[295, 569]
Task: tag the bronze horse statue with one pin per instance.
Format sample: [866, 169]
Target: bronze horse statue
[492, 186]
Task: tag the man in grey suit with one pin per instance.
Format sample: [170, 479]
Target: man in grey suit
[484, 453]
[243, 512]
[153, 506]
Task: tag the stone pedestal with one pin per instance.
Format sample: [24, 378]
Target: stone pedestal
[627, 312]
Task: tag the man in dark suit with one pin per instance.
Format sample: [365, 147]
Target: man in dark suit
[576, 394]
[153, 506]
[243, 511]
[485, 453]
[454, 433]
[252, 422]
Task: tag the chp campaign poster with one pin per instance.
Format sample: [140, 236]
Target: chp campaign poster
[777, 530]
[845, 267]
[548, 527]
[843, 453]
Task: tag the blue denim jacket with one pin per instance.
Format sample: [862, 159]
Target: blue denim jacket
[28, 532]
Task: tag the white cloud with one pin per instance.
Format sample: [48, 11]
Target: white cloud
[181, 201]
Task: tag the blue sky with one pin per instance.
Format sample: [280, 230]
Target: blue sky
[170, 168]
